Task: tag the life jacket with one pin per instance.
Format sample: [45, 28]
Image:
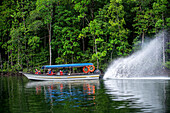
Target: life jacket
[38, 73]
[50, 73]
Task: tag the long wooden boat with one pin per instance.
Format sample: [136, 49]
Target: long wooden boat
[69, 76]
[32, 84]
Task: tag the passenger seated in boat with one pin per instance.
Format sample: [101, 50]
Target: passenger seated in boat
[53, 71]
[61, 73]
[37, 72]
[49, 72]
[65, 71]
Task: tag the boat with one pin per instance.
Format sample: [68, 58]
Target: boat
[33, 84]
[89, 73]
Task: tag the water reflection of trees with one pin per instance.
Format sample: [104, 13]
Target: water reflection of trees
[77, 94]
[16, 96]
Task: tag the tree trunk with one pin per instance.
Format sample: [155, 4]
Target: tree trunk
[143, 37]
[27, 59]
[11, 58]
[72, 63]
[157, 56]
[94, 43]
[112, 54]
[96, 53]
[1, 61]
[18, 53]
[92, 12]
[83, 38]
[163, 41]
[49, 32]
[92, 15]
[83, 45]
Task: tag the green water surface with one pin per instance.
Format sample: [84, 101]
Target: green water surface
[19, 95]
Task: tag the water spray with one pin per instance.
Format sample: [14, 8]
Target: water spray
[143, 63]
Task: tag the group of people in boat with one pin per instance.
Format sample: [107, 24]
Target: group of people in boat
[65, 71]
[50, 72]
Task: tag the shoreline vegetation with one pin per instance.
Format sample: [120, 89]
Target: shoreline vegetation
[46, 32]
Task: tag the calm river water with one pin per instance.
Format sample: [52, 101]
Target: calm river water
[19, 95]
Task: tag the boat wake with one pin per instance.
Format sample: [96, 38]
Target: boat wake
[146, 62]
[141, 78]
[148, 95]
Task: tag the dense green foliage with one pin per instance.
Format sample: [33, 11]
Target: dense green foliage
[167, 64]
[38, 32]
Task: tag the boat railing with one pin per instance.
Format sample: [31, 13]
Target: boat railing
[77, 73]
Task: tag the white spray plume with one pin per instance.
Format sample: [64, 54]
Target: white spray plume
[145, 62]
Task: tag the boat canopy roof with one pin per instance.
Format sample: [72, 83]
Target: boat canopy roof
[66, 65]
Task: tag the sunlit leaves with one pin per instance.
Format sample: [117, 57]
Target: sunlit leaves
[33, 42]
